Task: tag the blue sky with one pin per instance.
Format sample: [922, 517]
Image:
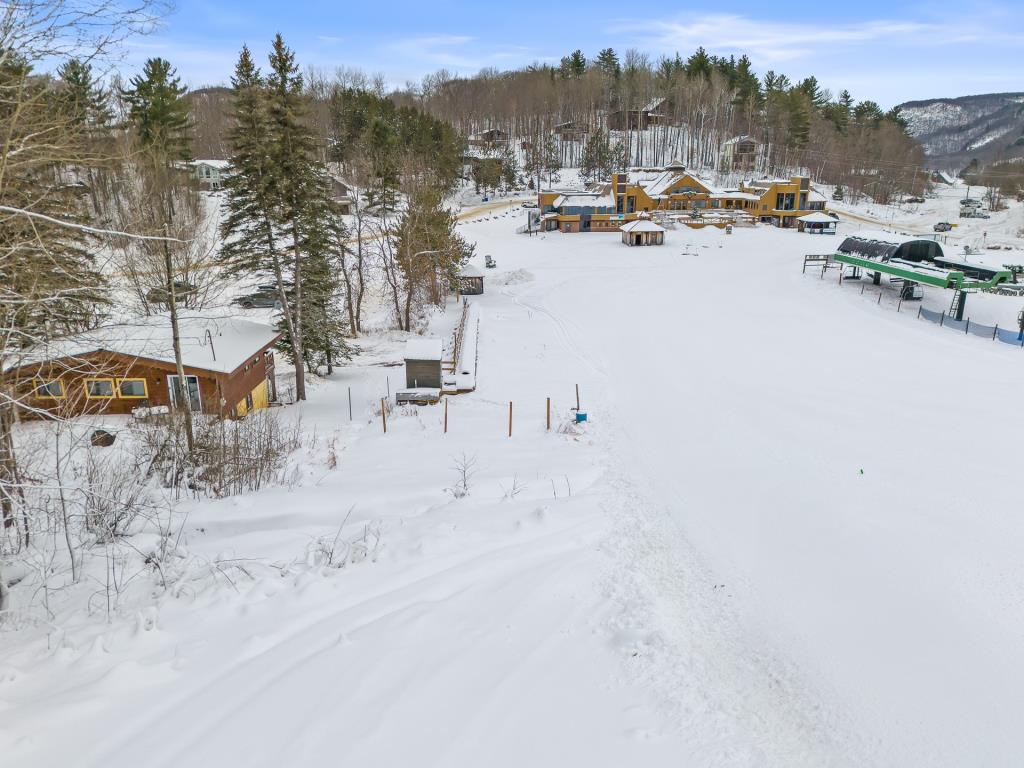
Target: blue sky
[886, 51]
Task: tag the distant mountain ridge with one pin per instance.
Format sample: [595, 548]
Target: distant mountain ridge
[988, 127]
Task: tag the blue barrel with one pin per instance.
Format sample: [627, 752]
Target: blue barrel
[580, 416]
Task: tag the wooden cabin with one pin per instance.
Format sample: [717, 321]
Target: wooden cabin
[116, 369]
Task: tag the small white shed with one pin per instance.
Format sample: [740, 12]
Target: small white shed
[817, 223]
[642, 232]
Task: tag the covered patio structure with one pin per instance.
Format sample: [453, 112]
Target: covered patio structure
[642, 232]
[817, 223]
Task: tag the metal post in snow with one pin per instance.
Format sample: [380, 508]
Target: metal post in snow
[879, 302]
[577, 397]
[383, 416]
[899, 304]
[919, 311]
[968, 326]
[942, 319]
[510, 418]
[995, 331]
[549, 414]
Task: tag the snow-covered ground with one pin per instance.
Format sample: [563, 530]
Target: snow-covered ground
[787, 536]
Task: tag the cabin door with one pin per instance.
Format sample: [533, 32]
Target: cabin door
[175, 390]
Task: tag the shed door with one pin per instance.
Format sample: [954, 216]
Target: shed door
[174, 389]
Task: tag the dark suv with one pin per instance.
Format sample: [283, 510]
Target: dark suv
[264, 297]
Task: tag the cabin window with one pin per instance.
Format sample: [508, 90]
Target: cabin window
[50, 390]
[132, 388]
[99, 389]
[248, 402]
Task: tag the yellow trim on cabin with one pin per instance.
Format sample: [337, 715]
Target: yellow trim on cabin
[43, 383]
[145, 389]
[89, 396]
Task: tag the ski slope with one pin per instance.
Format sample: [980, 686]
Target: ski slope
[787, 536]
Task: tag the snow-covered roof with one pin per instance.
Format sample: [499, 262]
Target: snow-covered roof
[656, 183]
[817, 218]
[738, 139]
[814, 196]
[641, 225]
[654, 103]
[233, 342]
[594, 199]
[470, 271]
[734, 194]
[220, 164]
[881, 236]
[423, 349]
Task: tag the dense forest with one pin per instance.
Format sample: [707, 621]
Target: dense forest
[706, 101]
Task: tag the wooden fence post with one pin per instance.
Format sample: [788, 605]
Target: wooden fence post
[383, 416]
[549, 414]
[510, 418]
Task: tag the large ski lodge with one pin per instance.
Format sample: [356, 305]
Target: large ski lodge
[637, 192]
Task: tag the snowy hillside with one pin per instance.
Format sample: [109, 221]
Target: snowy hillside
[773, 543]
[953, 131]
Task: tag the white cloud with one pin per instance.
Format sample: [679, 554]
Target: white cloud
[771, 42]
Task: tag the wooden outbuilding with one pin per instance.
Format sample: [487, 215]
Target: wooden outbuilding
[116, 369]
[423, 363]
[642, 232]
[471, 281]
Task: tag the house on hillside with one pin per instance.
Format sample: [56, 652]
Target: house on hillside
[739, 154]
[210, 173]
[652, 113]
[114, 369]
[570, 130]
[492, 137]
[341, 195]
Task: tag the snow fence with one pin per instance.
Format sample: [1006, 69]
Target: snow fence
[993, 332]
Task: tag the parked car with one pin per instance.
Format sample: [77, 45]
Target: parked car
[159, 294]
[489, 262]
[529, 204]
[914, 200]
[943, 226]
[264, 297]
[971, 201]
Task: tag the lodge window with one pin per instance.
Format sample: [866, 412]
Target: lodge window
[248, 402]
[132, 388]
[50, 390]
[99, 389]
